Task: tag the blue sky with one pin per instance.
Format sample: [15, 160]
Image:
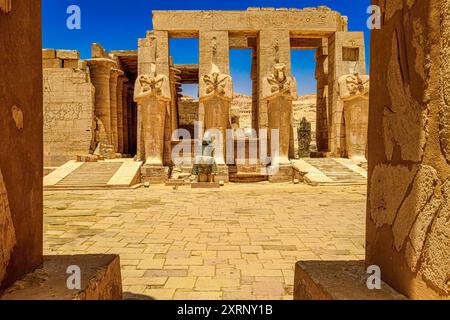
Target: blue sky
[117, 24]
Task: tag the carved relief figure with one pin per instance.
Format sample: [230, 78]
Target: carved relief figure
[304, 138]
[354, 92]
[216, 93]
[217, 83]
[278, 90]
[7, 233]
[152, 91]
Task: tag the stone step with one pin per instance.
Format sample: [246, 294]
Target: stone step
[330, 171]
[94, 175]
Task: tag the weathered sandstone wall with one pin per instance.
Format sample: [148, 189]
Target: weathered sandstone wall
[408, 220]
[69, 98]
[21, 164]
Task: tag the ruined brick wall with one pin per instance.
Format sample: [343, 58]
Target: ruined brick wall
[69, 98]
[408, 212]
[21, 164]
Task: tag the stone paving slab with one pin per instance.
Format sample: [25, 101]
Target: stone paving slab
[236, 242]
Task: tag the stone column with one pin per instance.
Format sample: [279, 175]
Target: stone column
[322, 97]
[100, 72]
[152, 92]
[278, 91]
[354, 93]
[21, 141]
[125, 116]
[273, 47]
[255, 89]
[408, 213]
[133, 128]
[115, 73]
[215, 86]
[120, 114]
[346, 56]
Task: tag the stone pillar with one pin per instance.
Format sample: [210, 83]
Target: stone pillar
[126, 149]
[100, 72]
[278, 91]
[273, 47]
[152, 92]
[21, 141]
[133, 128]
[346, 56]
[115, 73]
[322, 97]
[215, 87]
[408, 213]
[354, 94]
[255, 89]
[119, 92]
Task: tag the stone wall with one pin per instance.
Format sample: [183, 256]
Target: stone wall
[408, 211]
[241, 109]
[21, 164]
[69, 98]
[187, 113]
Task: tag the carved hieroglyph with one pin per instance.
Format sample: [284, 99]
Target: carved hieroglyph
[216, 96]
[354, 92]
[152, 92]
[278, 90]
[7, 233]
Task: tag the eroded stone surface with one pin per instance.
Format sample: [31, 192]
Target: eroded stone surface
[388, 187]
[7, 233]
[445, 81]
[403, 121]
[436, 256]
[414, 204]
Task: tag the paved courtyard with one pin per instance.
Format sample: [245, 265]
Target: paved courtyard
[237, 242]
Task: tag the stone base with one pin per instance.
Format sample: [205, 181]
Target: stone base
[337, 280]
[284, 174]
[100, 280]
[205, 185]
[87, 158]
[222, 173]
[154, 174]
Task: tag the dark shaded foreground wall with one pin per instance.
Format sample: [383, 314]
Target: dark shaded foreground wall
[21, 163]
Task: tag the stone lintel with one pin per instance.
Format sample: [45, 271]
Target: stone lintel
[337, 280]
[189, 22]
[100, 279]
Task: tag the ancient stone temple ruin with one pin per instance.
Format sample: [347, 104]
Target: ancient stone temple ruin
[124, 104]
[128, 103]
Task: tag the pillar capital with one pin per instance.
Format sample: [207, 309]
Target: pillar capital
[101, 64]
